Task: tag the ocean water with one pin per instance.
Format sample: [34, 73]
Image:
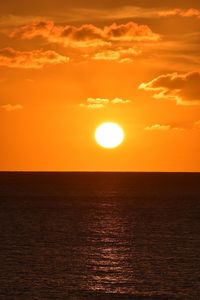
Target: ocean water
[102, 236]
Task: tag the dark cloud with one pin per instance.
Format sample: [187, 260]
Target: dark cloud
[80, 36]
[184, 89]
[29, 59]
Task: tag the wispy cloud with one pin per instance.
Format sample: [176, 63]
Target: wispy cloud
[120, 101]
[90, 15]
[35, 59]
[119, 54]
[12, 107]
[124, 12]
[191, 12]
[184, 89]
[96, 103]
[162, 127]
[157, 127]
[129, 12]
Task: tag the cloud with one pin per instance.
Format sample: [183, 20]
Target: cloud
[86, 35]
[191, 12]
[12, 107]
[158, 127]
[129, 12]
[162, 127]
[107, 55]
[119, 101]
[119, 54]
[116, 42]
[126, 60]
[184, 89]
[29, 59]
[130, 32]
[96, 103]
[33, 29]
[111, 13]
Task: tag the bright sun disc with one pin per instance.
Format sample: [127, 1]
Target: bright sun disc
[109, 135]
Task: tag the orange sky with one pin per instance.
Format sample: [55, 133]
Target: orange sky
[62, 65]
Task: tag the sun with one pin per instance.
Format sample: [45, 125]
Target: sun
[109, 135]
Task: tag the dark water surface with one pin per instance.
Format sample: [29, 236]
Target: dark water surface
[99, 236]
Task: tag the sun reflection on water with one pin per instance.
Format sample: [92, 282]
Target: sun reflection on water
[109, 259]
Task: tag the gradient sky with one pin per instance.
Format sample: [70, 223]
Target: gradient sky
[67, 66]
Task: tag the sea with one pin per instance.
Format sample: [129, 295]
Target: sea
[99, 236]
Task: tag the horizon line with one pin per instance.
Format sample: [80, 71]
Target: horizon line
[85, 171]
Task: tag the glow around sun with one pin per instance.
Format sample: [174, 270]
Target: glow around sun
[109, 135]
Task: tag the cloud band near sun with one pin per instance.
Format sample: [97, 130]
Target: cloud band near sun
[96, 103]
